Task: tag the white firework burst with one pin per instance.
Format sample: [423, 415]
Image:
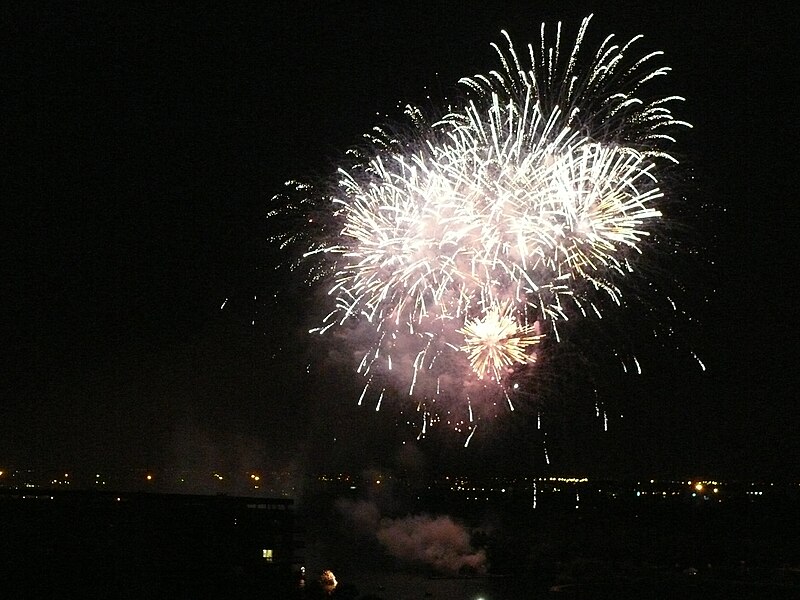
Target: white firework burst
[525, 204]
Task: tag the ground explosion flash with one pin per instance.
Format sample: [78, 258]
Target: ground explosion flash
[454, 245]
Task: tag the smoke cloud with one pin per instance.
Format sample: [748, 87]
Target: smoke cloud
[436, 541]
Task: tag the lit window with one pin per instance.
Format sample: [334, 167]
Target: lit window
[266, 553]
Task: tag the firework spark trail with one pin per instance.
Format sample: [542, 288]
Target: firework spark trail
[456, 241]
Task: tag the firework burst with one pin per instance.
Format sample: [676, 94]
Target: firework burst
[495, 342]
[451, 245]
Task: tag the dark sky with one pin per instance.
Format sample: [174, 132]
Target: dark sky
[142, 144]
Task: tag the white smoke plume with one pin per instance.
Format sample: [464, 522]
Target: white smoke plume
[436, 541]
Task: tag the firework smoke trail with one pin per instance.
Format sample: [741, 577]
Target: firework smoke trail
[462, 241]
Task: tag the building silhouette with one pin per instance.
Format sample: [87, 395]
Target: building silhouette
[90, 544]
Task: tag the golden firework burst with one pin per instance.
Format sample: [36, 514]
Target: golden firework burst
[496, 341]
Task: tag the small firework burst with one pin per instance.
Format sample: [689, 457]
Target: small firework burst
[496, 341]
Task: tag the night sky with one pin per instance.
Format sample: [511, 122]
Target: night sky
[142, 145]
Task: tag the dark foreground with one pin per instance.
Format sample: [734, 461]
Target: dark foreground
[58, 544]
[129, 546]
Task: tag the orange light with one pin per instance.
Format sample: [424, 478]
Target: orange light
[698, 486]
[149, 477]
